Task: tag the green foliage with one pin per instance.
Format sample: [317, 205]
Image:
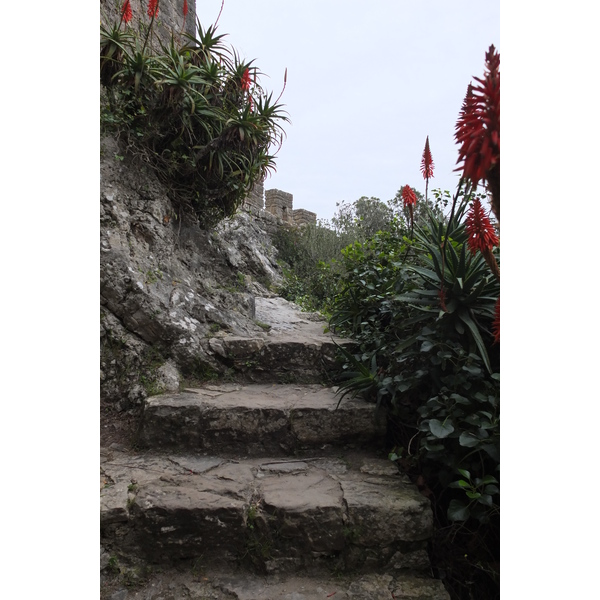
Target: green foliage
[308, 256]
[363, 218]
[313, 255]
[421, 313]
[183, 109]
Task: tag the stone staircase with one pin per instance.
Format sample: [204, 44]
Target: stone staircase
[253, 491]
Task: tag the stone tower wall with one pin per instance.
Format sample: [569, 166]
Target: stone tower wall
[169, 18]
[304, 217]
[256, 198]
[280, 204]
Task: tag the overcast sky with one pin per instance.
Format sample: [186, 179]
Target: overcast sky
[367, 83]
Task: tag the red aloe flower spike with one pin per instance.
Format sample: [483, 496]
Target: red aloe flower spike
[126, 14]
[153, 8]
[408, 196]
[482, 235]
[479, 229]
[427, 162]
[496, 323]
[427, 166]
[410, 200]
[246, 80]
[185, 12]
[478, 130]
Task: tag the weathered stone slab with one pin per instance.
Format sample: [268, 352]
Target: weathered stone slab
[294, 349]
[243, 348]
[282, 516]
[113, 504]
[354, 421]
[230, 584]
[258, 419]
[304, 514]
[382, 512]
[182, 519]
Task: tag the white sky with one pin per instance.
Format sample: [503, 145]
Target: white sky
[367, 83]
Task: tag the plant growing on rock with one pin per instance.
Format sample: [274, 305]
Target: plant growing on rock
[192, 109]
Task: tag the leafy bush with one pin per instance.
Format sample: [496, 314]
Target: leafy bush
[422, 312]
[310, 268]
[192, 110]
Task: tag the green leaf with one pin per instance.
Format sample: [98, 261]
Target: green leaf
[492, 451]
[485, 499]
[472, 370]
[460, 399]
[457, 511]
[468, 440]
[489, 479]
[439, 429]
[466, 319]
[461, 483]
[464, 473]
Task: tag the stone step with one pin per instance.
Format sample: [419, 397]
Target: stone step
[350, 512]
[281, 359]
[259, 419]
[199, 583]
[293, 349]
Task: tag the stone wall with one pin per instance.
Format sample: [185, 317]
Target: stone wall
[304, 217]
[280, 205]
[169, 19]
[256, 197]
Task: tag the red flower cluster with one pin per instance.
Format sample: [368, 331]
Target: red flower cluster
[408, 196]
[126, 14]
[478, 126]
[479, 229]
[427, 162]
[246, 80]
[153, 8]
[185, 9]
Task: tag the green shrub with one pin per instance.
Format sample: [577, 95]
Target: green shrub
[308, 256]
[421, 312]
[194, 111]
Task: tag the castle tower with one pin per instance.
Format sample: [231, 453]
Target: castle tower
[280, 204]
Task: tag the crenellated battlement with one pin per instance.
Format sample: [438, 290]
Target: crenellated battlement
[280, 204]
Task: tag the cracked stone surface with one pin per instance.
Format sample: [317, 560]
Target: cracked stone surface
[289, 514]
[259, 419]
[199, 583]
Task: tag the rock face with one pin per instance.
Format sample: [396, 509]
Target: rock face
[167, 287]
